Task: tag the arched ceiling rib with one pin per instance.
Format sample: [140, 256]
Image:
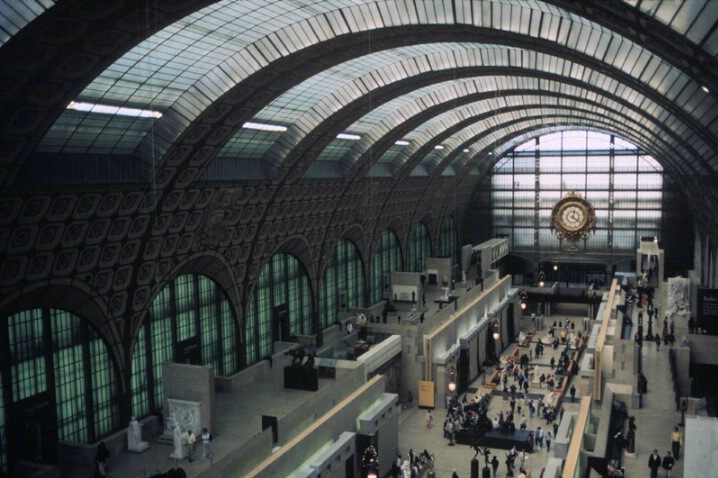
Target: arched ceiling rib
[210, 66]
[244, 142]
[561, 28]
[322, 82]
[469, 131]
[455, 136]
[400, 112]
[380, 140]
[683, 32]
[304, 147]
[50, 54]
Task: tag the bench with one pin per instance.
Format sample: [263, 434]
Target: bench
[528, 338]
[514, 357]
[527, 470]
[491, 384]
[427, 469]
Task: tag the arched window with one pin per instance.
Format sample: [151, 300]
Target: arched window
[281, 305]
[448, 240]
[58, 383]
[418, 248]
[342, 285]
[623, 183]
[387, 258]
[190, 321]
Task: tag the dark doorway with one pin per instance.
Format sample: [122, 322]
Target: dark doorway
[363, 442]
[280, 325]
[34, 431]
[270, 421]
[463, 367]
[189, 352]
[510, 330]
[349, 467]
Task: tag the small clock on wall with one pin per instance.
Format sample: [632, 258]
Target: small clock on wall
[573, 217]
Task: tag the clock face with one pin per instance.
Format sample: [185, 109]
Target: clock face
[572, 216]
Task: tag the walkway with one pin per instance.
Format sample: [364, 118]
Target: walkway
[655, 422]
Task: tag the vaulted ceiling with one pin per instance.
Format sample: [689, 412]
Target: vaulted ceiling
[455, 83]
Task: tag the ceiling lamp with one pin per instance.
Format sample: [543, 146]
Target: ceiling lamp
[113, 110]
[523, 299]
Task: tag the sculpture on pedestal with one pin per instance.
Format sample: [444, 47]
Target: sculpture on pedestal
[406, 469]
[134, 437]
[302, 374]
[631, 436]
[678, 297]
[178, 452]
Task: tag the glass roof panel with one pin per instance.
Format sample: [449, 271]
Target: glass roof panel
[15, 15]
[192, 62]
[336, 149]
[305, 96]
[255, 144]
[694, 19]
[446, 92]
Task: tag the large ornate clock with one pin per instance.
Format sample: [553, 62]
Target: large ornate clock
[573, 217]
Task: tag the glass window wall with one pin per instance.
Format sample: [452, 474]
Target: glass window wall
[387, 259]
[191, 313]
[282, 283]
[615, 176]
[56, 358]
[418, 248]
[342, 283]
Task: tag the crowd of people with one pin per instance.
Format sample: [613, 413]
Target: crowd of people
[413, 465]
[519, 375]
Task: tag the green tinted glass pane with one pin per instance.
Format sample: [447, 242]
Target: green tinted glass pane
[250, 333]
[229, 339]
[343, 275]
[282, 281]
[85, 384]
[160, 351]
[104, 389]
[139, 382]
[418, 248]
[26, 333]
[449, 240]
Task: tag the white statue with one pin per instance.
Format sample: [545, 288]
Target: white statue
[179, 449]
[134, 437]
[678, 297]
[406, 469]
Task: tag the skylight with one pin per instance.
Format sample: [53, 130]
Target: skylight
[264, 127]
[113, 110]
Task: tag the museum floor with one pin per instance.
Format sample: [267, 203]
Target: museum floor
[655, 421]
[241, 415]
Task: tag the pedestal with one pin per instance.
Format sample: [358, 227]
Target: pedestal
[138, 447]
[301, 378]
[180, 454]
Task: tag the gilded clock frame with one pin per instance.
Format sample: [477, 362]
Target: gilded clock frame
[568, 232]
